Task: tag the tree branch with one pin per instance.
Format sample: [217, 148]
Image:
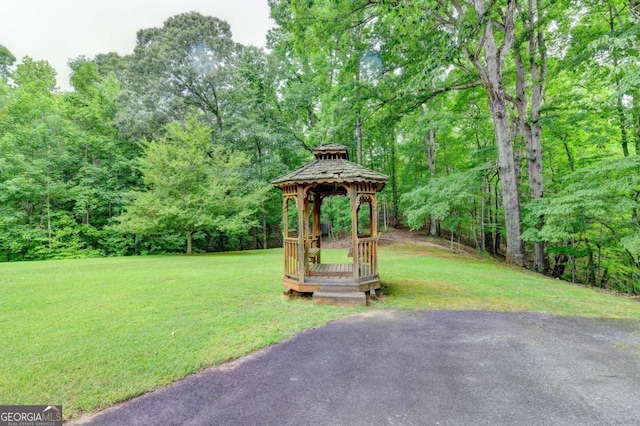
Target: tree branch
[422, 96]
[509, 30]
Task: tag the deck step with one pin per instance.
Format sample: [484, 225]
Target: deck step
[340, 298]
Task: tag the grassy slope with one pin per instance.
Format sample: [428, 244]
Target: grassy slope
[420, 277]
[89, 333]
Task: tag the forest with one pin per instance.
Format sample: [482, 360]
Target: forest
[512, 126]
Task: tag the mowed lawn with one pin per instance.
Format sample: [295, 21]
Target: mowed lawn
[419, 277]
[90, 333]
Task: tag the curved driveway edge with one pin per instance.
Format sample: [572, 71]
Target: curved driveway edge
[417, 368]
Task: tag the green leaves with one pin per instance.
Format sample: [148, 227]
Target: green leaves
[183, 67]
[602, 194]
[595, 211]
[450, 199]
[6, 60]
[191, 185]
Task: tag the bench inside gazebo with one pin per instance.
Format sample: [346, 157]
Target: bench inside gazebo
[330, 174]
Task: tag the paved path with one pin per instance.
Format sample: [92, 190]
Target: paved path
[421, 368]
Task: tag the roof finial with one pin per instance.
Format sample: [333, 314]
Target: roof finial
[331, 151]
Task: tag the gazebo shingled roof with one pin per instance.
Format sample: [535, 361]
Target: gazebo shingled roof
[331, 165]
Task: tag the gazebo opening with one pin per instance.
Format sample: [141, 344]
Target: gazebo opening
[290, 218]
[304, 189]
[365, 214]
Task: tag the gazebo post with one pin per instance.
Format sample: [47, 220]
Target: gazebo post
[373, 223]
[317, 228]
[301, 205]
[353, 202]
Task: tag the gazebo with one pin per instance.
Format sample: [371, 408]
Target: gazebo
[303, 190]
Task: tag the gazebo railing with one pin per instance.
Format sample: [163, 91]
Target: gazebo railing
[291, 264]
[367, 252]
[367, 257]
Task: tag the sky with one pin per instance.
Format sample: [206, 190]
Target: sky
[59, 30]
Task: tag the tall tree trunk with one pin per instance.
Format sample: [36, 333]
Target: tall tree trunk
[636, 120]
[508, 180]
[529, 116]
[265, 239]
[491, 76]
[624, 138]
[261, 176]
[189, 242]
[394, 186]
[538, 65]
[591, 268]
[49, 232]
[430, 147]
[359, 139]
[568, 152]
[488, 237]
[482, 236]
[496, 233]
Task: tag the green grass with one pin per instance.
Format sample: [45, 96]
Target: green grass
[89, 333]
[420, 277]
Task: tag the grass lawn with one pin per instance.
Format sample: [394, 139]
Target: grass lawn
[419, 277]
[89, 333]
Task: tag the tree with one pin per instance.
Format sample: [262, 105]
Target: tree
[593, 221]
[486, 33]
[191, 186]
[103, 160]
[35, 137]
[532, 78]
[609, 35]
[254, 126]
[329, 50]
[6, 61]
[450, 199]
[177, 70]
[475, 36]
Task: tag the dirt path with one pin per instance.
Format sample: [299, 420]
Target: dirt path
[405, 236]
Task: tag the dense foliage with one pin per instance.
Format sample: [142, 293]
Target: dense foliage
[513, 126]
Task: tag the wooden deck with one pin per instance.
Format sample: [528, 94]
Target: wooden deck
[332, 278]
[334, 283]
[330, 284]
[342, 270]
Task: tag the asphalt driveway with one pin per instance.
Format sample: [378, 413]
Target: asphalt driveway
[417, 368]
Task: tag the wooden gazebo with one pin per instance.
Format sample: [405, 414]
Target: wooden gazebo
[331, 173]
